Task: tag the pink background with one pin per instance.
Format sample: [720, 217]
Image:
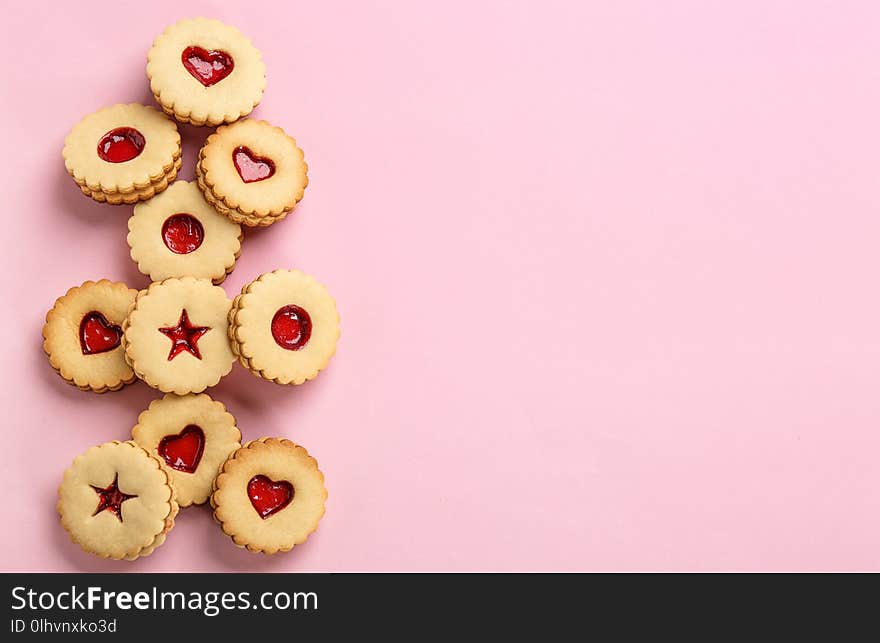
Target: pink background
[607, 275]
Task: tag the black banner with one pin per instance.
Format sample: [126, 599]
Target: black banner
[419, 606]
[246, 604]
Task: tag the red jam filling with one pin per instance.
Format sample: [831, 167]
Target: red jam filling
[97, 335]
[184, 337]
[291, 327]
[267, 496]
[183, 451]
[111, 499]
[182, 233]
[121, 144]
[251, 167]
[207, 67]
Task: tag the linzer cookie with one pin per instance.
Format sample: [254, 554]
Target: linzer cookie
[179, 234]
[269, 496]
[116, 501]
[118, 198]
[194, 435]
[284, 327]
[204, 72]
[123, 153]
[182, 333]
[252, 172]
[175, 336]
[83, 332]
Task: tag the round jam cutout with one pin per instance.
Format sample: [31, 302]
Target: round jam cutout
[291, 327]
[121, 144]
[182, 233]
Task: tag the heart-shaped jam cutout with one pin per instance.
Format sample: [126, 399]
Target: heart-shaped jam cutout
[291, 327]
[97, 335]
[251, 167]
[267, 496]
[121, 144]
[207, 67]
[182, 233]
[183, 451]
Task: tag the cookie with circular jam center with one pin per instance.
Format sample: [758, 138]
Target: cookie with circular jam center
[123, 153]
[284, 327]
[179, 234]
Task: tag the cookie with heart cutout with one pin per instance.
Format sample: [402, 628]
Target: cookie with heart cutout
[175, 336]
[123, 152]
[83, 333]
[194, 435]
[284, 327]
[252, 172]
[269, 495]
[117, 501]
[204, 72]
[179, 234]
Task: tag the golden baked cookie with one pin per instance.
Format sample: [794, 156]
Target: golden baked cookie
[248, 220]
[284, 327]
[127, 150]
[83, 332]
[116, 501]
[175, 336]
[269, 496]
[194, 435]
[204, 72]
[252, 172]
[178, 234]
[127, 198]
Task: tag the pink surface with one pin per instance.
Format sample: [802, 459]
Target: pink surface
[607, 275]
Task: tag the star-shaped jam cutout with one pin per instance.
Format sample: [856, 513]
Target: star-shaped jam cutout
[184, 337]
[111, 498]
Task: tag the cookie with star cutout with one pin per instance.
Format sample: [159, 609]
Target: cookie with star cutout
[194, 435]
[269, 496]
[82, 336]
[116, 501]
[175, 337]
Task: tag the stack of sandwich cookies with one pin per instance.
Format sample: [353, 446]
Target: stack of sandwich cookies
[204, 72]
[123, 154]
[179, 234]
[117, 501]
[252, 172]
